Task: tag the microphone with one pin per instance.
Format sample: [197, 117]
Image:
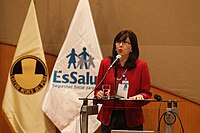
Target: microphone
[157, 97]
[116, 59]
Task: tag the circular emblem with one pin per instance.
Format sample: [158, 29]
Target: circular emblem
[28, 74]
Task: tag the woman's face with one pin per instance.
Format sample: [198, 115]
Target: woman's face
[123, 48]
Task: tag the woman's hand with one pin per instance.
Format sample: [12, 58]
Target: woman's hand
[137, 97]
[99, 94]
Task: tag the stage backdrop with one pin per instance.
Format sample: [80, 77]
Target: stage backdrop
[168, 33]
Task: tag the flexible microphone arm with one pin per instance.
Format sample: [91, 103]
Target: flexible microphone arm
[98, 83]
[117, 58]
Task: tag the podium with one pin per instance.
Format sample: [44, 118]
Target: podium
[86, 110]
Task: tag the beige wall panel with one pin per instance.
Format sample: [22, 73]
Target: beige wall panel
[175, 69]
[106, 50]
[12, 16]
[171, 25]
[156, 22]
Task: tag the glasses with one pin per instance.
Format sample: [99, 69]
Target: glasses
[122, 42]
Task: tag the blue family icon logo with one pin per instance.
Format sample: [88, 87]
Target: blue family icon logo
[85, 59]
[78, 74]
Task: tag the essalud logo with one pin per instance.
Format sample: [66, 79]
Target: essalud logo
[76, 63]
[85, 59]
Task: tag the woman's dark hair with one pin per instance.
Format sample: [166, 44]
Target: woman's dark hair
[133, 56]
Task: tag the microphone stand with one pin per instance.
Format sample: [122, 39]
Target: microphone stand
[85, 112]
[169, 117]
[90, 110]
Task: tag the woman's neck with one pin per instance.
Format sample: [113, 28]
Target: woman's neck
[123, 60]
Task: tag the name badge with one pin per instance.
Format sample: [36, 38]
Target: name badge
[123, 89]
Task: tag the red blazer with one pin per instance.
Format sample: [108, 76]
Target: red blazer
[139, 83]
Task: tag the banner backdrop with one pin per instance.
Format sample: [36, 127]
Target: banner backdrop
[27, 81]
[74, 73]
